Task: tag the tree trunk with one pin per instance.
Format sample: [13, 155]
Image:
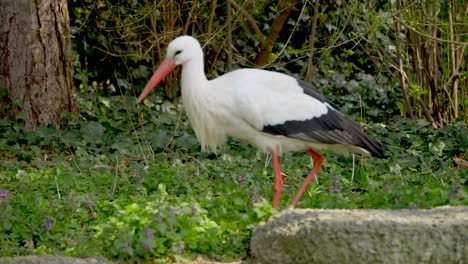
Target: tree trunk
[36, 64]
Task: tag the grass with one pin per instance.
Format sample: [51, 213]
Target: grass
[129, 183]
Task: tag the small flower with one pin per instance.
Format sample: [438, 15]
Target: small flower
[144, 244]
[140, 180]
[4, 196]
[3, 193]
[125, 243]
[256, 200]
[254, 192]
[88, 204]
[456, 187]
[335, 188]
[46, 224]
[241, 179]
[412, 205]
[148, 233]
[171, 210]
[453, 197]
[335, 179]
[256, 197]
[180, 250]
[178, 247]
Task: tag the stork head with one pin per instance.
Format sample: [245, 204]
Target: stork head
[183, 49]
[180, 51]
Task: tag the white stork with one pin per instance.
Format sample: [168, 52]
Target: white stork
[270, 110]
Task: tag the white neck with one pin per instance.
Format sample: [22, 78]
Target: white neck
[195, 94]
[193, 75]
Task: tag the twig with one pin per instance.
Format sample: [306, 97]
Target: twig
[401, 70]
[71, 152]
[252, 22]
[57, 186]
[429, 36]
[316, 175]
[116, 175]
[267, 160]
[266, 45]
[310, 67]
[190, 15]
[229, 35]
[134, 130]
[287, 41]
[211, 18]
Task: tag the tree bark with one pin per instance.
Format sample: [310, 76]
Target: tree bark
[36, 63]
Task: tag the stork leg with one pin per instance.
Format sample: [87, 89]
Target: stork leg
[318, 160]
[278, 185]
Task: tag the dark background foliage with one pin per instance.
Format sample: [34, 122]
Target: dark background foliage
[118, 45]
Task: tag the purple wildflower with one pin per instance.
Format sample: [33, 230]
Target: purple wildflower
[125, 243]
[180, 250]
[241, 179]
[256, 197]
[171, 210]
[88, 204]
[453, 197]
[258, 200]
[144, 244]
[335, 179]
[46, 224]
[148, 233]
[4, 196]
[412, 205]
[254, 192]
[456, 187]
[140, 180]
[387, 188]
[335, 188]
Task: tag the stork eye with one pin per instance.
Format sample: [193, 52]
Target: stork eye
[177, 52]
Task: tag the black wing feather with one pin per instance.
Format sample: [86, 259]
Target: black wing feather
[331, 128]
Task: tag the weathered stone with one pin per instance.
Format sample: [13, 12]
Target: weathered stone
[53, 260]
[363, 236]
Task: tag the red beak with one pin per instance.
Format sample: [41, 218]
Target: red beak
[164, 69]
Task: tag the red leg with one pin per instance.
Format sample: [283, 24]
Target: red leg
[318, 160]
[278, 185]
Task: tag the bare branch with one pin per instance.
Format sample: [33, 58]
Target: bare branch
[310, 67]
[252, 22]
[401, 69]
[229, 36]
[265, 49]
[429, 36]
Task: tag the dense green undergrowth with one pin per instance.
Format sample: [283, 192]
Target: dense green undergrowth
[129, 182]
